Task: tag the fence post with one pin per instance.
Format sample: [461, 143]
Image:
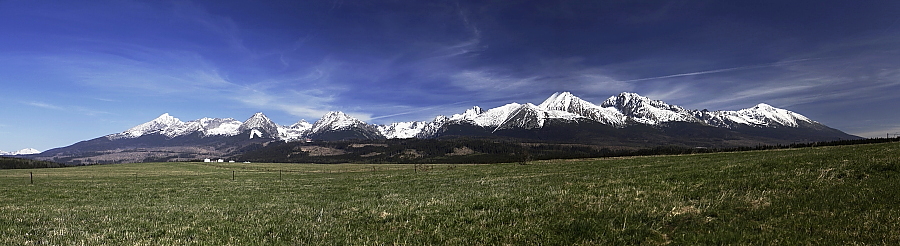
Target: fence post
[31, 177]
[232, 175]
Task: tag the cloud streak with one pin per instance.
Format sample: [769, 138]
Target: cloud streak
[723, 70]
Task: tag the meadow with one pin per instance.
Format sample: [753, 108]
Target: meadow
[840, 195]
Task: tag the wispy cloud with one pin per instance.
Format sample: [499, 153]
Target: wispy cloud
[44, 105]
[71, 108]
[723, 70]
[173, 74]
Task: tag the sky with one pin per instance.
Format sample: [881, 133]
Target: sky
[76, 70]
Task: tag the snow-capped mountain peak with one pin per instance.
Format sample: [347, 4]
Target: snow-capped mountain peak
[334, 121]
[469, 115]
[217, 126]
[302, 124]
[563, 101]
[257, 120]
[764, 115]
[629, 103]
[259, 126]
[158, 125]
[647, 111]
[25, 151]
[294, 132]
[567, 102]
[402, 129]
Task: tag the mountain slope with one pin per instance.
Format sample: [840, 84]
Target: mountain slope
[339, 126]
[259, 126]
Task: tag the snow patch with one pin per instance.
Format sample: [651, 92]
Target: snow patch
[255, 133]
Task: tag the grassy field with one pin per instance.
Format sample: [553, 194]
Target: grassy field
[840, 195]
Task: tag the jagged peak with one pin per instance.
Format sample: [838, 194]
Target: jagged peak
[763, 112]
[302, 124]
[475, 110]
[335, 120]
[764, 106]
[259, 126]
[166, 119]
[259, 115]
[627, 98]
[470, 114]
[338, 115]
[628, 101]
[565, 101]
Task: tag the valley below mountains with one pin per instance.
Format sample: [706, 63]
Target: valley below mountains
[626, 121]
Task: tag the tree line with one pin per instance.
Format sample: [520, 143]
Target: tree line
[435, 151]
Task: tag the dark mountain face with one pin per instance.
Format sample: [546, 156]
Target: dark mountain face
[359, 132]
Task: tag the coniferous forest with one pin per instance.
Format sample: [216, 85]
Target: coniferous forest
[472, 150]
[19, 163]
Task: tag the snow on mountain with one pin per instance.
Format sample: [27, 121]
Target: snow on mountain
[25, 151]
[764, 115]
[402, 129]
[643, 110]
[172, 127]
[335, 121]
[761, 115]
[565, 101]
[338, 125]
[264, 127]
[618, 111]
[469, 115]
[218, 126]
[295, 132]
[526, 116]
[562, 106]
[412, 129]
[258, 125]
[164, 124]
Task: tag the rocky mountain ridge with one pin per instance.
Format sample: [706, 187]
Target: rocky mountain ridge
[618, 111]
[626, 120]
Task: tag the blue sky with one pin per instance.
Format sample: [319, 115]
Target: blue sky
[76, 70]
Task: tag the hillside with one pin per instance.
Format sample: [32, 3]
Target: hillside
[838, 195]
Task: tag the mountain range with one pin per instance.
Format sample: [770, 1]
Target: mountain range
[626, 119]
[25, 151]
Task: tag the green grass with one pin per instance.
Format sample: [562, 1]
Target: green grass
[839, 195]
